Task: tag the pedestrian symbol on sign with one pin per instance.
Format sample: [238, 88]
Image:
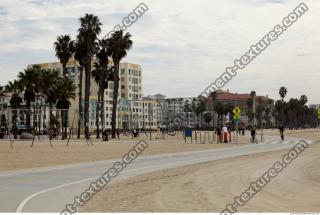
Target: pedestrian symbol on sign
[236, 111]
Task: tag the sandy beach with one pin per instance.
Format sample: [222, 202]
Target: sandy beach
[210, 186]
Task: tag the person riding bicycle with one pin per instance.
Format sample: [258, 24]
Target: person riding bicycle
[253, 134]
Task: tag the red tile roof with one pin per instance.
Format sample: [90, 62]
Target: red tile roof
[224, 95]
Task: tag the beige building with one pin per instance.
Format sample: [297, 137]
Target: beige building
[132, 111]
[150, 113]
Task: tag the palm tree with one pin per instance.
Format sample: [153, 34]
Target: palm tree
[15, 101]
[64, 47]
[253, 98]
[219, 108]
[64, 94]
[48, 91]
[102, 74]
[187, 109]
[303, 99]
[282, 92]
[96, 74]
[213, 96]
[80, 55]
[119, 46]
[207, 118]
[90, 28]
[30, 82]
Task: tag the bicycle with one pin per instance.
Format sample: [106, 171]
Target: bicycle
[255, 140]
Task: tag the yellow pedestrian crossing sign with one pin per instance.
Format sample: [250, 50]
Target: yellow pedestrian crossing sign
[236, 111]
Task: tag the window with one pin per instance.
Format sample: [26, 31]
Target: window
[123, 87]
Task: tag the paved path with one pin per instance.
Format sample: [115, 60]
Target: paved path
[49, 189]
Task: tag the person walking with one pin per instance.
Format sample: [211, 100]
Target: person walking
[225, 134]
[253, 135]
[118, 134]
[281, 129]
[218, 132]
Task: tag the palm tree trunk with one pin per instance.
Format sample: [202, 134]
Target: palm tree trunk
[65, 112]
[103, 82]
[97, 111]
[50, 115]
[66, 118]
[115, 98]
[87, 98]
[28, 121]
[102, 106]
[62, 124]
[80, 99]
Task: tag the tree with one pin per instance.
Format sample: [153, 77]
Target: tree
[303, 100]
[15, 101]
[219, 108]
[80, 55]
[249, 112]
[253, 95]
[64, 47]
[207, 118]
[90, 28]
[282, 92]
[102, 74]
[267, 117]
[200, 108]
[64, 94]
[259, 114]
[48, 89]
[30, 82]
[213, 96]
[187, 109]
[119, 46]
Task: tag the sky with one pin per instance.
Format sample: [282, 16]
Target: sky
[182, 45]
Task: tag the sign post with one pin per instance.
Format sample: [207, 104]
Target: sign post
[236, 116]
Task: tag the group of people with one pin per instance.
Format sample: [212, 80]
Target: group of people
[106, 134]
[223, 134]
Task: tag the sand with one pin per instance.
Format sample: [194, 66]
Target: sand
[22, 156]
[209, 187]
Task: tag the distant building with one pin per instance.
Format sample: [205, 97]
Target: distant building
[315, 106]
[176, 106]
